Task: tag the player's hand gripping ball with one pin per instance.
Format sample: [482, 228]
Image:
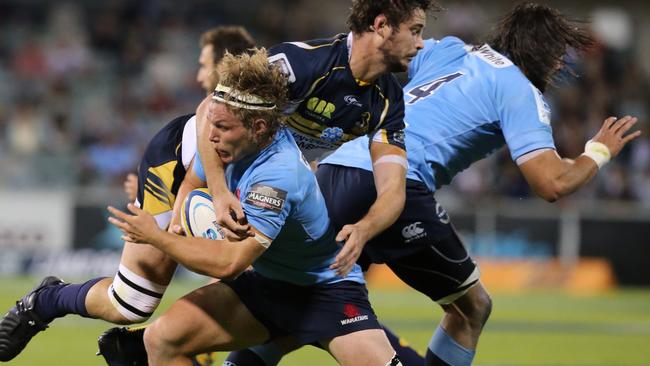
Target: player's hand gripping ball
[198, 218]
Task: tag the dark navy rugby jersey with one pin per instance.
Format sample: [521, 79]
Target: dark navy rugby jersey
[328, 106]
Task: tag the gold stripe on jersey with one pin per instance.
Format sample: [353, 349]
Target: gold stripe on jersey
[165, 202]
[293, 123]
[383, 113]
[158, 184]
[381, 93]
[156, 190]
[315, 83]
[381, 136]
[307, 46]
[361, 82]
[158, 197]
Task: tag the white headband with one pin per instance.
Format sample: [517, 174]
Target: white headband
[238, 99]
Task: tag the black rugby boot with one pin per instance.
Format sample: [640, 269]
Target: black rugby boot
[123, 346]
[21, 322]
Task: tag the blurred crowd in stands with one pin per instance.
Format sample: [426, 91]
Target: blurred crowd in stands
[84, 85]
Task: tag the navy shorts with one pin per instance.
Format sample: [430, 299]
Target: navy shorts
[307, 313]
[422, 247]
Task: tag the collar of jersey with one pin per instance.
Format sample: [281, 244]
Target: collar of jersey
[248, 160]
[349, 44]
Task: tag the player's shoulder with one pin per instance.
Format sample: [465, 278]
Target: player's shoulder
[280, 179]
[489, 56]
[172, 132]
[181, 120]
[314, 51]
[320, 44]
[497, 67]
[437, 54]
[490, 61]
[303, 62]
[389, 86]
[282, 162]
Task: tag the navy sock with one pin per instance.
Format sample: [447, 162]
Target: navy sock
[57, 301]
[433, 360]
[406, 354]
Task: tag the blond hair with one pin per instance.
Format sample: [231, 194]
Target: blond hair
[252, 74]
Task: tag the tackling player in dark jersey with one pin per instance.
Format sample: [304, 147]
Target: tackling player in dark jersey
[330, 106]
[341, 88]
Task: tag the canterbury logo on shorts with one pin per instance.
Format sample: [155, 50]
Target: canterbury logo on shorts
[413, 231]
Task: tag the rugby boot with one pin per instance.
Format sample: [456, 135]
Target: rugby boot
[21, 322]
[123, 346]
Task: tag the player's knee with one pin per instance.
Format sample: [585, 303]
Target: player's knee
[472, 309]
[155, 341]
[163, 339]
[134, 297]
[480, 307]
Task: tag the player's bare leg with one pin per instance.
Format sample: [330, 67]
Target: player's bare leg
[458, 333]
[211, 318]
[363, 348]
[144, 264]
[142, 279]
[464, 318]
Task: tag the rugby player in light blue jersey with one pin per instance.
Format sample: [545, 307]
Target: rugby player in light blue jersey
[291, 290]
[464, 102]
[133, 294]
[341, 88]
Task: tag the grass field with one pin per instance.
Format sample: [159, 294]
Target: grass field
[537, 328]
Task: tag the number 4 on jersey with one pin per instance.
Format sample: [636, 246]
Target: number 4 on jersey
[425, 90]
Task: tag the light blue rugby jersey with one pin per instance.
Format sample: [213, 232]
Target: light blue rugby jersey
[462, 103]
[281, 199]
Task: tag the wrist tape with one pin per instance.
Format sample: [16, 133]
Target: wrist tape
[598, 152]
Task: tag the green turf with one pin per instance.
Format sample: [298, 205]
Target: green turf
[538, 328]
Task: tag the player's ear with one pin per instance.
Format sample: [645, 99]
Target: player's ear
[380, 25]
[260, 127]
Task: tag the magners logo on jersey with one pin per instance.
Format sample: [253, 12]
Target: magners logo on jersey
[266, 197]
[321, 107]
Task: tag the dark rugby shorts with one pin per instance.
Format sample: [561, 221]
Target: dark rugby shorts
[422, 247]
[307, 313]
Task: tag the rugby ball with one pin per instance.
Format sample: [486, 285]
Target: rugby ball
[198, 218]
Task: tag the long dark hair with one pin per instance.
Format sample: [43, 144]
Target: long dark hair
[363, 12]
[535, 37]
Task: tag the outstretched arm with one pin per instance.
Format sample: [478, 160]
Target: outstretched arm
[215, 258]
[389, 167]
[552, 177]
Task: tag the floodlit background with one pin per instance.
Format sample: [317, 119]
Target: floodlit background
[85, 84]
